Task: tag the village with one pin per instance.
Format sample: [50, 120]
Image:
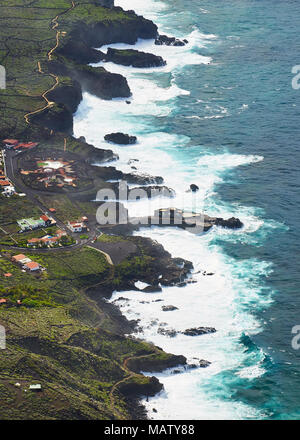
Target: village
[49, 173]
[46, 172]
[52, 170]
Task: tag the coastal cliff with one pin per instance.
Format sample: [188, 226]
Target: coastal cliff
[62, 332]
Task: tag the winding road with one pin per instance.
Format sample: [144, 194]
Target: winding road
[49, 104]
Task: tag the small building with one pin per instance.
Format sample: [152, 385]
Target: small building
[49, 240]
[32, 266]
[8, 191]
[18, 258]
[33, 241]
[3, 301]
[8, 275]
[60, 233]
[28, 224]
[35, 387]
[4, 183]
[10, 143]
[77, 227]
[47, 221]
[27, 145]
[53, 210]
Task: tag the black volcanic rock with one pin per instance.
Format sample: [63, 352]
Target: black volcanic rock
[111, 173]
[56, 117]
[169, 308]
[69, 94]
[194, 188]
[149, 388]
[105, 32]
[78, 51]
[152, 289]
[120, 138]
[201, 363]
[164, 40]
[204, 364]
[151, 364]
[156, 191]
[103, 84]
[135, 58]
[171, 333]
[199, 331]
[143, 179]
[95, 80]
[232, 223]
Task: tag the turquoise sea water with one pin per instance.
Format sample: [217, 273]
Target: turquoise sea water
[221, 114]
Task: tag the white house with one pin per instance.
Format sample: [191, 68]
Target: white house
[77, 226]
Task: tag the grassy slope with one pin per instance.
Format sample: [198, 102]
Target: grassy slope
[69, 345]
[27, 35]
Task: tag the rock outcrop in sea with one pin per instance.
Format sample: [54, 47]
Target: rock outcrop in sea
[164, 40]
[120, 138]
[134, 58]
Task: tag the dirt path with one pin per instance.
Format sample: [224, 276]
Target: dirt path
[109, 260]
[117, 384]
[49, 104]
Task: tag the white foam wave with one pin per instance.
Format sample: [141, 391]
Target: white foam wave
[221, 300]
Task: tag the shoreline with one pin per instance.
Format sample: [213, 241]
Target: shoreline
[71, 63]
[142, 146]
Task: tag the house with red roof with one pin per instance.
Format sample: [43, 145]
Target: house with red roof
[77, 226]
[47, 221]
[18, 258]
[33, 241]
[10, 143]
[32, 266]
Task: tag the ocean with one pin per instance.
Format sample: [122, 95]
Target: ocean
[222, 114]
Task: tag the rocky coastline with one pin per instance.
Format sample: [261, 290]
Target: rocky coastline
[54, 125]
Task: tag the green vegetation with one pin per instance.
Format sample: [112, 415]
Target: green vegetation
[104, 238]
[29, 295]
[66, 342]
[89, 14]
[28, 35]
[84, 237]
[67, 209]
[133, 267]
[14, 208]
